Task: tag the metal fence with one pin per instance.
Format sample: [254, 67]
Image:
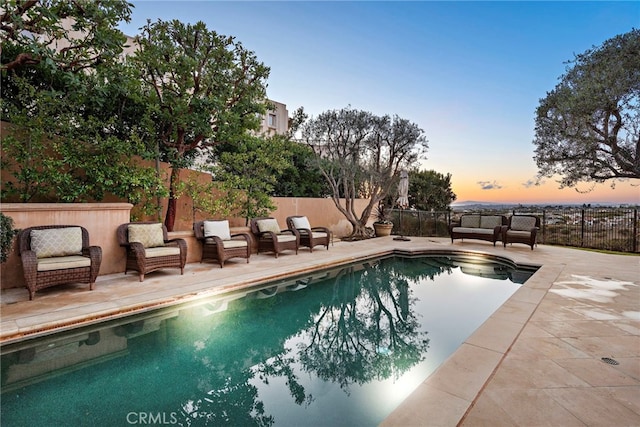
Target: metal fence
[614, 229]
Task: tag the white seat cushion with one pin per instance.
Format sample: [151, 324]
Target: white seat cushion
[63, 262]
[217, 228]
[285, 237]
[516, 233]
[488, 231]
[161, 251]
[229, 244]
[318, 234]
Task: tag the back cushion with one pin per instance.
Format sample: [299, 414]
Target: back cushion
[217, 228]
[56, 242]
[150, 235]
[268, 225]
[491, 221]
[470, 221]
[522, 223]
[301, 222]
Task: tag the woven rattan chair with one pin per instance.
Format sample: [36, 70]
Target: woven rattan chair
[147, 255]
[309, 236]
[521, 229]
[56, 254]
[219, 244]
[273, 239]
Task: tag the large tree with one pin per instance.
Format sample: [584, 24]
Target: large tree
[588, 127]
[76, 118]
[430, 190]
[204, 88]
[360, 155]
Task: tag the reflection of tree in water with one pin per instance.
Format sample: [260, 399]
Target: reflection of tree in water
[360, 329]
[367, 331]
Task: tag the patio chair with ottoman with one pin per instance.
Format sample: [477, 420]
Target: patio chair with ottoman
[219, 244]
[309, 236]
[271, 238]
[521, 229]
[57, 254]
[149, 248]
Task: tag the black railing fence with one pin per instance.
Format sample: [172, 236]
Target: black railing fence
[614, 229]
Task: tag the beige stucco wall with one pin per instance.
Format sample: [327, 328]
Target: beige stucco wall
[102, 219]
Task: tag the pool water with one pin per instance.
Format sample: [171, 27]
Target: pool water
[340, 347]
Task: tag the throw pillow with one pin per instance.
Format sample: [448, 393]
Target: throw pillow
[56, 242]
[301, 222]
[150, 235]
[217, 228]
[522, 223]
[268, 225]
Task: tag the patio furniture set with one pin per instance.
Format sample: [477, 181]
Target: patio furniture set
[57, 254]
[493, 228]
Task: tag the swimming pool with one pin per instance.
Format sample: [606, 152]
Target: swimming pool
[335, 347]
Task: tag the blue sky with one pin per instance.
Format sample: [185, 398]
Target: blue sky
[470, 74]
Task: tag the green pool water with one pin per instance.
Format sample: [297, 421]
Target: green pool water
[340, 347]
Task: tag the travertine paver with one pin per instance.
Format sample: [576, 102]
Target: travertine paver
[536, 361]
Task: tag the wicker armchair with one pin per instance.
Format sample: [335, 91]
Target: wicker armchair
[309, 236]
[149, 248]
[521, 229]
[56, 254]
[273, 239]
[219, 244]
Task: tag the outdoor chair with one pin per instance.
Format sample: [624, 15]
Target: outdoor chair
[219, 244]
[271, 238]
[309, 236]
[149, 248]
[521, 229]
[56, 254]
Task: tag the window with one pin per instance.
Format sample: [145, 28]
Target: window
[271, 121]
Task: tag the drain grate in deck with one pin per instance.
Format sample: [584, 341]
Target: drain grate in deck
[610, 361]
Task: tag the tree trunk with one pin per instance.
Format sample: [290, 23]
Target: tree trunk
[172, 205]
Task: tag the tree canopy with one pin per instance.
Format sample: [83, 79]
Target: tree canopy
[430, 190]
[73, 107]
[203, 88]
[360, 155]
[588, 126]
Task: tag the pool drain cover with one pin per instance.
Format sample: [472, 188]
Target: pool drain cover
[610, 361]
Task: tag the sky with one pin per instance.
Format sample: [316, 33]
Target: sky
[470, 74]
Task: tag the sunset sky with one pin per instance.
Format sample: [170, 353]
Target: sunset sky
[470, 74]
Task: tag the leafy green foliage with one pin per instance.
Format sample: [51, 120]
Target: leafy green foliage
[360, 155]
[588, 127]
[302, 177]
[203, 89]
[250, 169]
[430, 190]
[7, 233]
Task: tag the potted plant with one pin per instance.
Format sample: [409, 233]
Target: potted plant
[383, 223]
